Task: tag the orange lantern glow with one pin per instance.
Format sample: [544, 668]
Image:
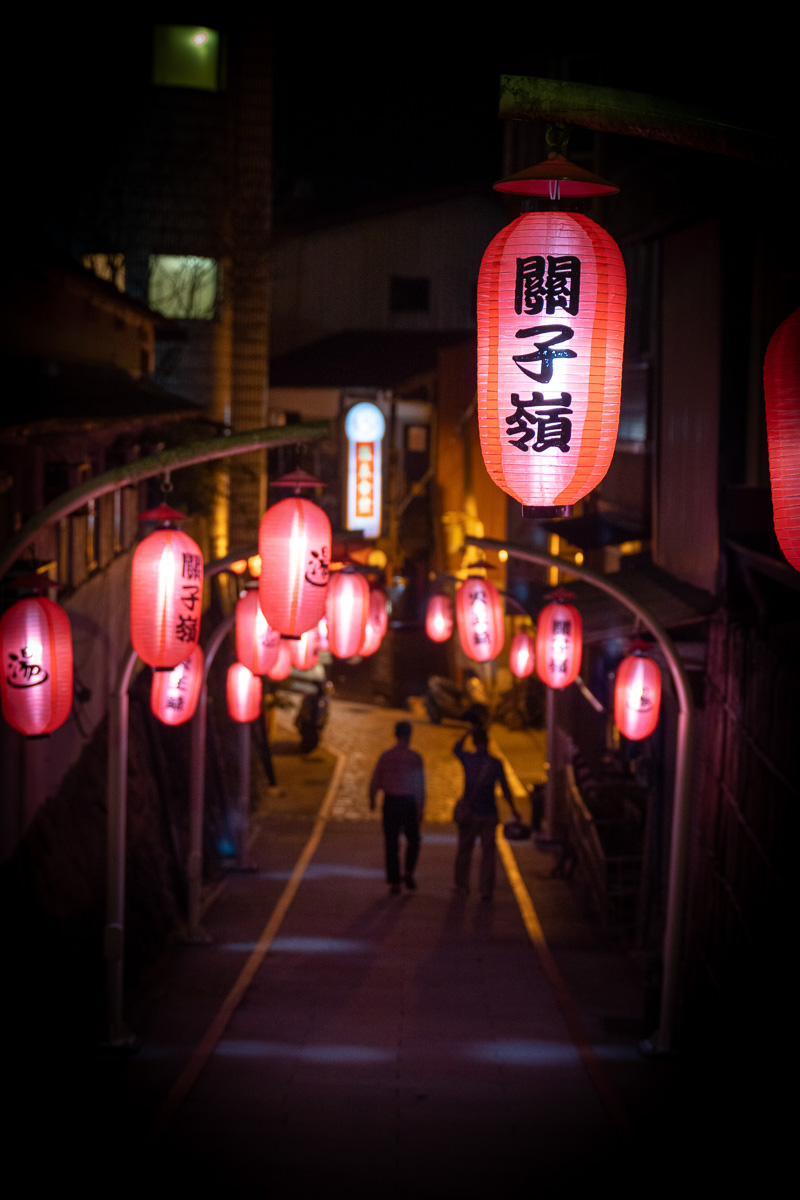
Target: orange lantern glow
[244, 693]
[294, 542]
[166, 595]
[256, 640]
[782, 395]
[439, 618]
[304, 651]
[479, 615]
[282, 667]
[551, 322]
[174, 694]
[637, 696]
[36, 689]
[559, 644]
[522, 655]
[347, 611]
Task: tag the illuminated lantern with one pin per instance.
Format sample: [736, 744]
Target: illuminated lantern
[174, 694]
[371, 640]
[244, 693]
[348, 608]
[36, 681]
[294, 542]
[378, 612]
[559, 644]
[551, 321]
[304, 652]
[282, 667]
[166, 594]
[522, 655]
[479, 615]
[637, 696]
[439, 618]
[782, 394]
[322, 630]
[256, 640]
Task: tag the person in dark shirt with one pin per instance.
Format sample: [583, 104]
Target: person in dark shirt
[476, 811]
[400, 775]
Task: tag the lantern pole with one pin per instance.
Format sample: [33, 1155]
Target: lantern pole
[119, 1036]
[662, 1041]
[197, 779]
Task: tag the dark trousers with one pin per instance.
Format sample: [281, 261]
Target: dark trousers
[469, 829]
[400, 815]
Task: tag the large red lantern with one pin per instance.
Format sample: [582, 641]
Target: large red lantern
[551, 322]
[244, 693]
[782, 394]
[522, 656]
[256, 640]
[304, 651]
[479, 614]
[166, 594]
[36, 681]
[347, 612]
[378, 612]
[371, 640]
[637, 696]
[439, 618]
[559, 644]
[174, 694]
[282, 667]
[294, 542]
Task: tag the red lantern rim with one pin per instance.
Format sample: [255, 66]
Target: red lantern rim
[163, 512]
[298, 479]
[556, 178]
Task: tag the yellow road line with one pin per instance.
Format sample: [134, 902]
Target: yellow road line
[207, 1045]
[580, 1039]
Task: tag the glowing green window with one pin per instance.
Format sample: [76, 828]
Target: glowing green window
[183, 285]
[186, 56]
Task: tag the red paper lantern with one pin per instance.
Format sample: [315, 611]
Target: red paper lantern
[378, 612]
[244, 693]
[305, 651]
[522, 655]
[347, 611]
[282, 667]
[559, 644]
[166, 597]
[439, 618]
[256, 640]
[294, 542]
[36, 682]
[551, 322]
[174, 694]
[371, 640]
[782, 394]
[637, 696]
[479, 615]
[322, 630]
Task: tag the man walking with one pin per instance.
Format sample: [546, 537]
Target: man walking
[400, 775]
[476, 811]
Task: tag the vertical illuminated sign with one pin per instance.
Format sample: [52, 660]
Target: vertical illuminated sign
[365, 427]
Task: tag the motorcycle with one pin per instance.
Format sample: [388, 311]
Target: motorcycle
[445, 698]
[312, 716]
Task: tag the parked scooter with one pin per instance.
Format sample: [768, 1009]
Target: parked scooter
[444, 698]
[312, 715]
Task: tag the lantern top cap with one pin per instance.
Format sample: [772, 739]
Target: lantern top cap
[163, 512]
[298, 479]
[556, 178]
[560, 596]
[32, 581]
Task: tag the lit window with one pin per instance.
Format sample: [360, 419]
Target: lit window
[110, 267]
[183, 285]
[186, 56]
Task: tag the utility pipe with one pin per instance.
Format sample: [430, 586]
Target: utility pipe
[662, 1041]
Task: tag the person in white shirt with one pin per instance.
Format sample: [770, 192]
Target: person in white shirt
[400, 775]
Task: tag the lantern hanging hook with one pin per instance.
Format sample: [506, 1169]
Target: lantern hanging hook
[557, 138]
[165, 482]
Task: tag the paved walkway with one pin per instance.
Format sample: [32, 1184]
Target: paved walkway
[377, 1046]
